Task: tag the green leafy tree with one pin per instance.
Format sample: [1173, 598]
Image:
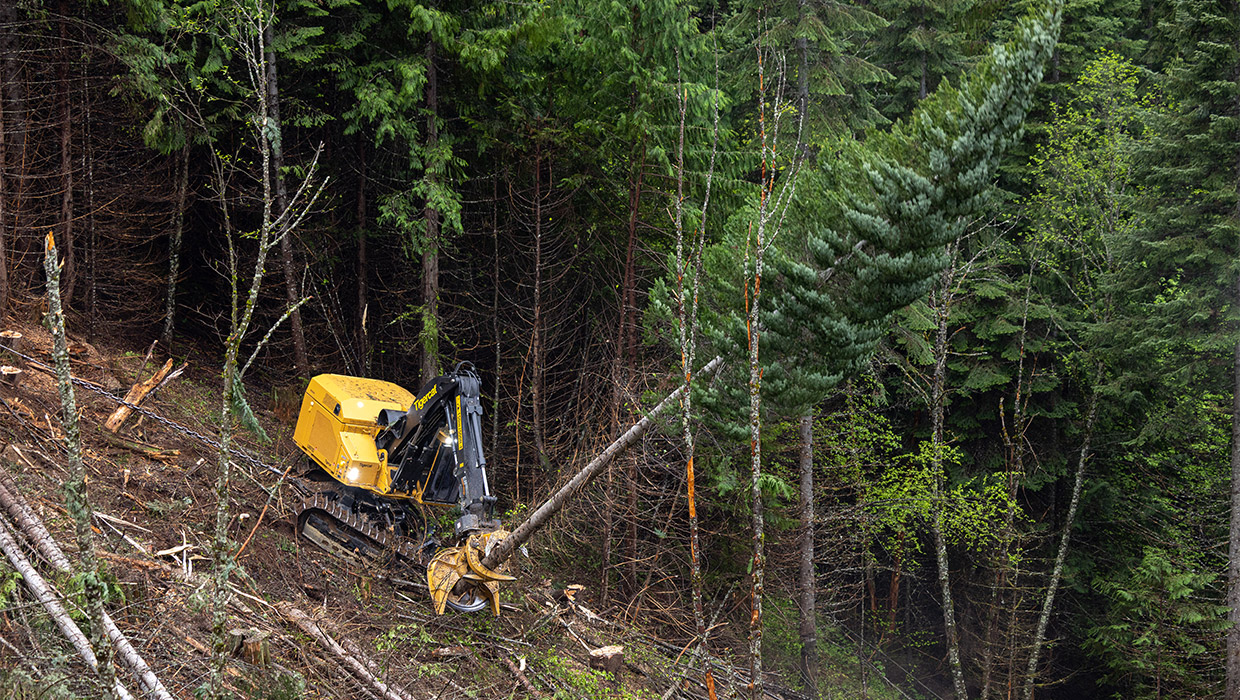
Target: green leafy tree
[1158, 637]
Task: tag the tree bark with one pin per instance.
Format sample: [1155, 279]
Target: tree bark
[536, 342]
[430, 256]
[552, 505]
[36, 533]
[76, 501]
[17, 126]
[291, 293]
[1060, 556]
[937, 410]
[50, 602]
[349, 661]
[4, 196]
[1233, 554]
[808, 609]
[174, 245]
[363, 266]
[68, 272]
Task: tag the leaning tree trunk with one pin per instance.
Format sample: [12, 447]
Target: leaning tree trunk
[543, 514]
[76, 502]
[1062, 555]
[29, 524]
[51, 603]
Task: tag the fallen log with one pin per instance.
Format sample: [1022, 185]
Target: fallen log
[137, 446]
[355, 665]
[50, 601]
[140, 391]
[35, 532]
[551, 506]
[522, 679]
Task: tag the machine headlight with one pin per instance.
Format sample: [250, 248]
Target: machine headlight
[353, 474]
[445, 438]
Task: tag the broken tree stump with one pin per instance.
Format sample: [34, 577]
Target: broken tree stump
[251, 645]
[12, 340]
[608, 658]
[11, 365]
[137, 393]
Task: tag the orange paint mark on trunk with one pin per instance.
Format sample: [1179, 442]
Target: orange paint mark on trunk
[689, 479]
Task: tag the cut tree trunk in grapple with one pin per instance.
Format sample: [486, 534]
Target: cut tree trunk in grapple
[551, 506]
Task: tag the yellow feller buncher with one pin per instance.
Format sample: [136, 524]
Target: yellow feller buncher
[380, 456]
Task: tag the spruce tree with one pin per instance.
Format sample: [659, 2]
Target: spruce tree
[1190, 278]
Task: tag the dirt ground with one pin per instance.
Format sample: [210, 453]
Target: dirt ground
[153, 491]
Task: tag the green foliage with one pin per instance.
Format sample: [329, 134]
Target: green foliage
[9, 581]
[245, 415]
[906, 497]
[1163, 626]
[54, 684]
[282, 685]
[401, 635]
[169, 506]
[580, 682]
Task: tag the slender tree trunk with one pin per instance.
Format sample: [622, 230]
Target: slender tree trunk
[809, 607]
[687, 327]
[1005, 575]
[495, 325]
[937, 412]
[363, 265]
[536, 358]
[4, 196]
[18, 126]
[1233, 556]
[69, 271]
[92, 231]
[430, 256]
[628, 350]
[76, 501]
[1057, 572]
[291, 293]
[174, 245]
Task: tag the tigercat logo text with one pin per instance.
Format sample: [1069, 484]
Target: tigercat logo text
[418, 404]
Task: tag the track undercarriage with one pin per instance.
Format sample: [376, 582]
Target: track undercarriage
[355, 526]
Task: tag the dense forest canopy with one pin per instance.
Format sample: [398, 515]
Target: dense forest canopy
[972, 267]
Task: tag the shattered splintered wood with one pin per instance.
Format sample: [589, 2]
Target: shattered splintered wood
[139, 392]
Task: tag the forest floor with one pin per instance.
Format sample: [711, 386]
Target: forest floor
[155, 510]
